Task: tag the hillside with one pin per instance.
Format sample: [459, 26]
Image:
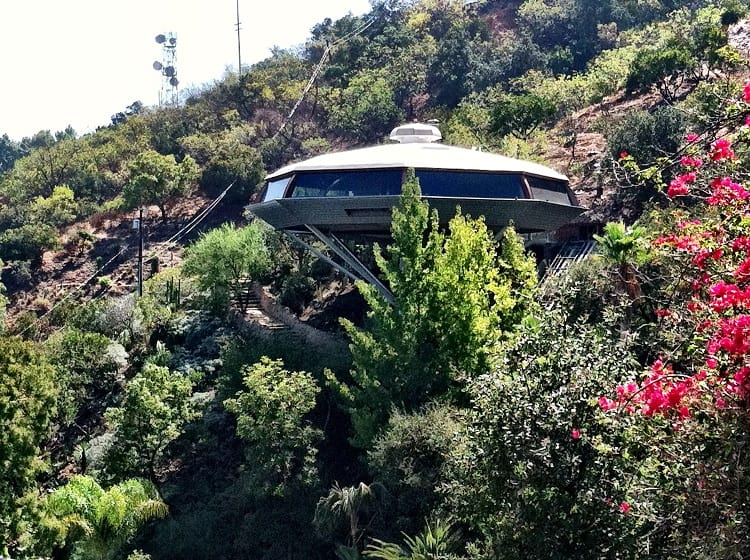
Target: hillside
[254, 403]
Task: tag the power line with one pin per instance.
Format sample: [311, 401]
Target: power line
[317, 69]
[192, 224]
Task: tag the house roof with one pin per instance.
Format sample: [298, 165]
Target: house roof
[418, 155]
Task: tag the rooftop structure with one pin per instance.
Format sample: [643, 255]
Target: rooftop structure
[352, 193]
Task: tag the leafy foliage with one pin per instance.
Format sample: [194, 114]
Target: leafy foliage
[452, 305]
[411, 459]
[646, 136]
[271, 416]
[27, 400]
[521, 114]
[438, 541]
[157, 179]
[540, 473]
[28, 242]
[86, 365]
[222, 259]
[155, 408]
[366, 109]
[346, 504]
[93, 522]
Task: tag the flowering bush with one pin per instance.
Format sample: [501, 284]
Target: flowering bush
[688, 416]
[710, 244]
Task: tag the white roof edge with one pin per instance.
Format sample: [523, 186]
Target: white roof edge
[421, 156]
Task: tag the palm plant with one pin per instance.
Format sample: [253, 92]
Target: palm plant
[344, 503]
[438, 541]
[96, 522]
[624, 247]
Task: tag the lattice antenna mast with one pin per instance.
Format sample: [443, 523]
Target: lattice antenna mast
[168, 94]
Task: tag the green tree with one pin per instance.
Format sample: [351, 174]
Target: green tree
[272, 416]
[665, 68]
[154, 410]
[158, 179]
[28, 242]
[366, 109]
[93, 523]
[227, 158]
[411, 459]
[449, 313]
[27, 401]
[646, 136]
[60, 208]
[345, 504]
[3, 303]
[10, 151]
[86, 365]
[520, 115]
[224, 258]
[624, 247]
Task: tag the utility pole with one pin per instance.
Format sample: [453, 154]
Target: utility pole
[239, 50]
[140, 252]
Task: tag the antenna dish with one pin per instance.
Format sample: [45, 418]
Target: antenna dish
[157, 65]
[160, 38]
[173, 41]
[174, 81]
[169, 71]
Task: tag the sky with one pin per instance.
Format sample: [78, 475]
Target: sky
[78, 62]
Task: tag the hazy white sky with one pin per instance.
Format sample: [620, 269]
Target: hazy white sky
[77, 62]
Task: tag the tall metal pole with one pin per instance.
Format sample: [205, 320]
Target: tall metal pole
[140, 252]
[239, 50]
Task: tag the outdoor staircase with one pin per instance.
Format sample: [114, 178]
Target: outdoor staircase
[571, 252]
[247, 298]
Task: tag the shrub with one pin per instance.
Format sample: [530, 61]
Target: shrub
[28, 242]
[410, 460]
[646, 136]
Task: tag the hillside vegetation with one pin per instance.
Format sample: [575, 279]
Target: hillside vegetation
[253, 403]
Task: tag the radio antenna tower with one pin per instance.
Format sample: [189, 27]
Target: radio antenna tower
[168, 94]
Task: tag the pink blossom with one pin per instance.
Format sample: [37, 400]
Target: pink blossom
[722, 149]
[606, 403]
[575, 434]
[624, 507]
[689, 161]
[691, 138]
[746, 93]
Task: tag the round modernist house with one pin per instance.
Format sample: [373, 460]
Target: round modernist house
[354, 192]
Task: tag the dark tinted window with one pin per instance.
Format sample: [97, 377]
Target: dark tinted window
[347, 183]
[470, 185]
[549, 190]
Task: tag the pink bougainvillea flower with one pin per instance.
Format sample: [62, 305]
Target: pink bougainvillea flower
[623, 155]
[575, 434]
[722, 149]
[689, 161]
[726, 191]
[691, 138]
[746, 93]
[624, 507]
[606, 403]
